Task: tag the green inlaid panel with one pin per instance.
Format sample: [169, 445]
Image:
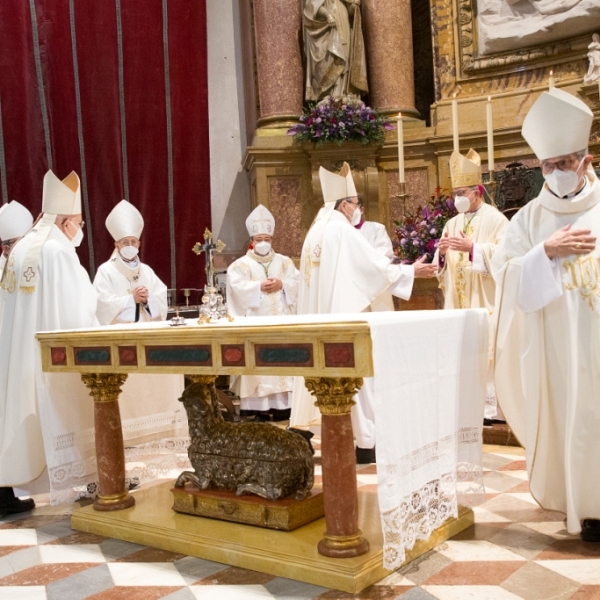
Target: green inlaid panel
[178, 355]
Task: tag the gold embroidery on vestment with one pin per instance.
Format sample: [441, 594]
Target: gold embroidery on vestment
[583, 273]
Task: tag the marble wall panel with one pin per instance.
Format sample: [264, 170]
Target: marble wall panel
[417, 185]
[285, 204]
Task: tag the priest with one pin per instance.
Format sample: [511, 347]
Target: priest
[15, 221]
[342, 273]
[46, 419]
[262, 283]
[465, 251]
[130, 292]
[546, 269]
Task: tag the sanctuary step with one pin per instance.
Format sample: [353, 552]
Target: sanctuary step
[499, 434]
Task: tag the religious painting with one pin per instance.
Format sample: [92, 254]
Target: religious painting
[497, 35]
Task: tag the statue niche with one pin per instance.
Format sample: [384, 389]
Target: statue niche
[335, 51]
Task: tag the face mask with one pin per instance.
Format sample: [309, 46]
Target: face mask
[462, 204]
[128, 252]
[262, 248]
[78, 237]
[562, 182]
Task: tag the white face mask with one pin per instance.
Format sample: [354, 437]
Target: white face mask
[78, 237]
[462, 204]
[129, 252]
[262, 248]
[563, 183]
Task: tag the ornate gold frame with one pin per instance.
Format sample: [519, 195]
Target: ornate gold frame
[471, 65]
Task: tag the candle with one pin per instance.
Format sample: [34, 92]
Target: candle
[400, 148]
[455, 121]
[490, 135]
[551, 80]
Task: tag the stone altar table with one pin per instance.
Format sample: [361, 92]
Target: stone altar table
[332, 352]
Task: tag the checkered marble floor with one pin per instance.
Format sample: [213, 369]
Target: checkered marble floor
[514, 551]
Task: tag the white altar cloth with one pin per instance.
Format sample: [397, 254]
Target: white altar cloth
[430, 379]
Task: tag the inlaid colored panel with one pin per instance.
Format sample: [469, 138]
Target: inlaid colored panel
[92, 356]
[233, 355]
[58, 356]
[339, 355]
[283, 355]
[128, 356]
[188, 356]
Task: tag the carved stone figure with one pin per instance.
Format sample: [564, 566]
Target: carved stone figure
[335, 50]
[245, 458]
[593, 73]
[505, 25]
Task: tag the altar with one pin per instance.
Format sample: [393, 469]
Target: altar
[430, 371]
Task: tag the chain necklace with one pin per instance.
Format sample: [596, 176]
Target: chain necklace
[467, 223]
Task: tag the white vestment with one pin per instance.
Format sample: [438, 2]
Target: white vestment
[342, 273]
[469, 284]
[548, 351]
[245, 299]
[45, 418]
[149, 403]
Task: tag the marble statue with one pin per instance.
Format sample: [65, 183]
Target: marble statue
[335, 50]
[593, 73]
[505, 25]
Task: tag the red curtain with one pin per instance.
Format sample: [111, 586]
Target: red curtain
[115, 90]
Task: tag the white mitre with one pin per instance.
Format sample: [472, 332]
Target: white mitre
[335, 187]
[557, 124]
[125, 220]
[260, 221]
[58, 198]
[15, 221]
[465, 171]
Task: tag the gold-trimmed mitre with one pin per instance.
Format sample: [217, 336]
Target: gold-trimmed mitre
[465, 171]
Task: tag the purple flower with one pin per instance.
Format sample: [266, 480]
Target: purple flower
[431, 245]
[388, 126]
[433, 231]
[426, 212]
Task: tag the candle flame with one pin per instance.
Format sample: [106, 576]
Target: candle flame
[551, 72]
[399, 115]
[454, 95]
[489, 98]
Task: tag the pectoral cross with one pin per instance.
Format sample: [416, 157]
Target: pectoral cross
[209, 247]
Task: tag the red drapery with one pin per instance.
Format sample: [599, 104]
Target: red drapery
[115, 90]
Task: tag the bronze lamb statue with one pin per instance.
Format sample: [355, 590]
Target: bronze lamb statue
[245, 458]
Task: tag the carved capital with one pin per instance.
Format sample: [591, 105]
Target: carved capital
[334, 395]
[104, 387]
[204, 379]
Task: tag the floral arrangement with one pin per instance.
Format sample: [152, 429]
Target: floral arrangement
[419, 233]
[340, 120]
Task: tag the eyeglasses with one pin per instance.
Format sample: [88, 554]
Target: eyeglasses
[564, 164]
[81, 224]
[128, 242]
[462, 192]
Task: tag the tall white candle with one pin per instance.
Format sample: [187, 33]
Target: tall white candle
[551, 80]
[455, 122]
[400, 148]
[490, 134]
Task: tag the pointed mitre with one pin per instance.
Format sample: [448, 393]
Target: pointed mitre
[557, 124]
[125, 220]
[260, 221]
[15, 221]
[465, 170]
[337, 187]
[61, 197]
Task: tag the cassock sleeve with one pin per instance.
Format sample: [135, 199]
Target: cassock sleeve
[483, 252]
[290, 283]
[112, 308]
[540, 281]
[242, 293]
[157, 305]
[383, 243]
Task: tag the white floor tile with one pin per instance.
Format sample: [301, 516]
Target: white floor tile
[555, 529]
[470, 592]
[76, 553]
[366, 479]
[526, 496]
[395, 579]
[146, 574]
[485, 516]
[585, 571]
[229, 592]
[478, 550]
[26, 592]
[18, 537]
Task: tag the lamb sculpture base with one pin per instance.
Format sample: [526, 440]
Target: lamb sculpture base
[240, 458]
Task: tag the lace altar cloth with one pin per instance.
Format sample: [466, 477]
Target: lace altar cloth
[430, 388]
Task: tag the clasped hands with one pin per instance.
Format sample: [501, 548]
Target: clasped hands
[140, 295]
[270, 285]
[462, 243]
[567, 241]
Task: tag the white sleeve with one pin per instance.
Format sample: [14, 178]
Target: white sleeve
[255, 299]
[478, 265]
[402, 287]
[152, 306]
[540, 280]
[127, 314]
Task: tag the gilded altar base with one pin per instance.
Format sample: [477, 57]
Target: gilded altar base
[286, 514]
[291, 554]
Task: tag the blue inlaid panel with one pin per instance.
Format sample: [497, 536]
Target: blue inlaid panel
[199, 356]
[92, 356]
[283, 355]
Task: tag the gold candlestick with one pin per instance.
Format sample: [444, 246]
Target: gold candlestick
[403, 195]
[492, 184]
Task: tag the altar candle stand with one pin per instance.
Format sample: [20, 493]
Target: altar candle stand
[455, 122]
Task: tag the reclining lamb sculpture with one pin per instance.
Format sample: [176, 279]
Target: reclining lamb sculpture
[245, 458]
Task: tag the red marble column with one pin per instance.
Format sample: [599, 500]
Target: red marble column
[278, 37]
[388, 31]
[343, 538]
[110, 454]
